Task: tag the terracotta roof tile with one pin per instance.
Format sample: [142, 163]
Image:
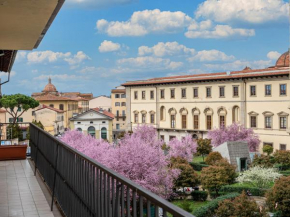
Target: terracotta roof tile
[118, 91]
[51, 97]
[48, 107]
[104, 112]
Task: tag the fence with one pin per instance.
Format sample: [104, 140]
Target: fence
[84, 187]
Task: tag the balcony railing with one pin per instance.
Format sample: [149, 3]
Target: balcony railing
[83, 187]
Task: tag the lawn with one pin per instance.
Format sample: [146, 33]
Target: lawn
[193, 204]
[197, 159]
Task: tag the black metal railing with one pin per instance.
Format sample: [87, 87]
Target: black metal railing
[83, 187]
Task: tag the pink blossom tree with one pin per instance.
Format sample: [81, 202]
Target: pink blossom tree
[234, 132]
[184, 148]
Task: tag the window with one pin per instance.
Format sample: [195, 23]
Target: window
[208, 92]
[268, 90]
[236, 114]
[91, 122]
[162, 137]
[135, 94]
[117, 95]
[268, 122]
[103, 122]
[143, 94]
[79, 129]
[162, 94]
[10, 120]
[252, 90]
[123, 104]
[253, 121]
[117, 104]
[33, 113]
[104, 133]
[118, 126]
[235, 91]
[19, 119]
[143, 118]
[208, 122]
[117, 113]
[268, 143]
[222, 121]
[172, 121]
[195, 122]
[162, 113]
[283, 122]
[222, 91]
[195, 92]
[92, 131]
[283, 147]
[123, 113]
[152, 117]
[283, 89]
[171, 137]
[152, 94]
[19, 109]
[183, 93]
[51, 105]
[79, 122]
[136, 118]
[183, 117]
[123, 96]
[60, 106]
[172, 93]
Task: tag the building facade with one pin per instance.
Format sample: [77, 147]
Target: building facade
[96, 122]
[195, 104]
[102, 102]
[118, 97]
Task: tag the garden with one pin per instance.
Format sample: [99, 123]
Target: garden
[193, 176]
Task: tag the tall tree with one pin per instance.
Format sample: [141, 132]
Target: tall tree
[204, 147]
[17, 104]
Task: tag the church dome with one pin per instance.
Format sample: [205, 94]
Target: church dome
[283, 60]
[49, 87]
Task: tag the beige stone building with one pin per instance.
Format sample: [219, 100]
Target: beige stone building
[102, 102]
[195, 104]
[118, 97]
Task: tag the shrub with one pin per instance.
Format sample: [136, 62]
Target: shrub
[187, 176]
[197, 166]
[259, 177]
[209, 209]
[216, 176]
[285, 173]
[186, 205]
[283, 158]
[213, 158]
[278, 198]
[239, 206]
[268, 149]
[199, 195]
[239, 189]
[204, 147]
[263, 160]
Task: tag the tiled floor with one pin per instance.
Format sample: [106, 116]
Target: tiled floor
[20, 192]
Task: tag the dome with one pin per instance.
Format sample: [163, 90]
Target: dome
[49, 87]
[283, 60]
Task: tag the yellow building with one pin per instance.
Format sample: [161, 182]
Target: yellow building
[118, 97]
[194, 104]
[50, 97]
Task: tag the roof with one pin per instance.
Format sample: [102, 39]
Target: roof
[7, 60]
[49, 87]
[2, 111]
[118, 91]
[48, 107]
[104, 112]
[248, 73]
[51, 97]
[283, 60]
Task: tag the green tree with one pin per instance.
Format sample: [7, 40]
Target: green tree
[14, 131]
[263, 160]
[215, 176]
[39, 124]
[268, 149]
[204, 147]
[240, 206]
[278, 198]
[213, 158]
[17, 104]
[283, 158]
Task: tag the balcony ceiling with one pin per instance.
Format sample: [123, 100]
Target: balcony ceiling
[23, 23]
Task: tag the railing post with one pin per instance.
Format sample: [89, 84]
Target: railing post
[36, 152]
[117, 204]
[54, 179]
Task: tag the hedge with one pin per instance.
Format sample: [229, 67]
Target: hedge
[285, 173]
[208, 209]
[197, 166]
[199, 195]
[239, 189]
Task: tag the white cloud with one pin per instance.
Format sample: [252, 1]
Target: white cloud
[109, 46]
[21, 55]
[250, 11]
[42, 56]
[175, 65]
[97, 3]
[59, 77]
[273, 55]
[240, 65]
[211, 55]
[166, 49]
[77, 58]
[221, 31]
[145, 22]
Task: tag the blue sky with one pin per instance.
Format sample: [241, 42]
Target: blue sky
[95, 45]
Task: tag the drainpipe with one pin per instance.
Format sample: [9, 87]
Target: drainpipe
[157, 125]
[245, 102]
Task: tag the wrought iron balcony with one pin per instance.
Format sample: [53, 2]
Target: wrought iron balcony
[83, 187]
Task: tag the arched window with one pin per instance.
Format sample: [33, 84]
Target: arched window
[236, 114]
[60, 106]
[195, 114]
[79, 129]
[104, 133]
[183, 113]
[136, 114]
[172, 113]
[92, 131]
[208, 117]
[162, 113]
[51, 105]
[143, 115]
[222, 113]
[152, 117]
